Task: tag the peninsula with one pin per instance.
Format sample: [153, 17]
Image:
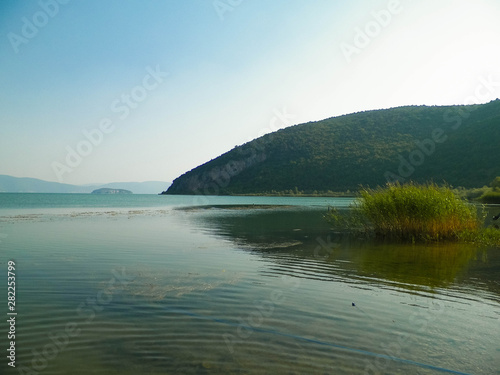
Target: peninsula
[457, 144]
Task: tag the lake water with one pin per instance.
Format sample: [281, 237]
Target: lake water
[144, 284]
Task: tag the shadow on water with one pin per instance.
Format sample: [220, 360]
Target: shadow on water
[299, 242]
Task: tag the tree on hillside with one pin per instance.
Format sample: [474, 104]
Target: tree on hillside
[495, 184]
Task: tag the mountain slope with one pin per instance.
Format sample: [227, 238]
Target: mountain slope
[457, 144]
[12, 184]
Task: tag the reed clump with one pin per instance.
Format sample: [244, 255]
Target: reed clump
[411, 212]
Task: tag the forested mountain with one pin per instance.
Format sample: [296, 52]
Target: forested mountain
[456, 144]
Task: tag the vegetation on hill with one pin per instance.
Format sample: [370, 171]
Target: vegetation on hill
[486, 194]
[457, 144]
[412, 212]
[492, 195]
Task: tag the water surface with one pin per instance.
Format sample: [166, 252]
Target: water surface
[160, 285]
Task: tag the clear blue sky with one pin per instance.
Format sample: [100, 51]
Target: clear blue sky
[177, 83]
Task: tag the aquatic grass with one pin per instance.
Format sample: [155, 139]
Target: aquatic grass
[411, 212]
[485, 237]
[417, 212]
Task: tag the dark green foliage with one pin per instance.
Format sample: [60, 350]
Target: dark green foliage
[472, 194]
[495, 184]
[345, 152]
[491, 197]
[412, 212]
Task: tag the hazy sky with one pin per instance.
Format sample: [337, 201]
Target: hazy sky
[102, 91]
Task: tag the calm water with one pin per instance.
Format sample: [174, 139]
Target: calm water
[161, 285]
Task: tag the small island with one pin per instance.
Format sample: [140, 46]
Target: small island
[111, 191]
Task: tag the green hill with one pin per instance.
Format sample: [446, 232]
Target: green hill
[457, 144]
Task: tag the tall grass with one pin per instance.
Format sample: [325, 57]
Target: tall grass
[414, 212]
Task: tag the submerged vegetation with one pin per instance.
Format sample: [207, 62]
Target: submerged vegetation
[412, 212]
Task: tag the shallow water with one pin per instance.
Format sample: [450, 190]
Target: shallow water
[151, 285]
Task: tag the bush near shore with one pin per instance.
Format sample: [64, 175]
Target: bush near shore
[412, 212]
[486, 194]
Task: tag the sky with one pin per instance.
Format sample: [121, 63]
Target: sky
[108, 91]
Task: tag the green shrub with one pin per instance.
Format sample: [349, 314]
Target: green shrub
[495, 184]
[490, 197]
[471, 194]
[412, 212]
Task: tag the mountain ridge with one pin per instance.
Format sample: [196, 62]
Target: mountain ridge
[456, 144]
[11, 184]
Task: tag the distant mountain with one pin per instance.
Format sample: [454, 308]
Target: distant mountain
[32, 185]
[11, 184]
[456, 144]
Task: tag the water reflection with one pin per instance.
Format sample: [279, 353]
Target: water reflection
[300, 243]
[192, 293]
[432, 265]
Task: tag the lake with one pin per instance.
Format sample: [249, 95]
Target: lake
[146, 284]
